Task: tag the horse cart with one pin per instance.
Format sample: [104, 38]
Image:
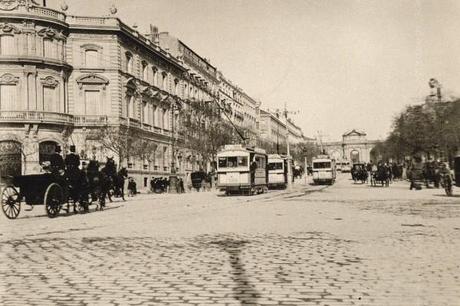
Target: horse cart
[36, 189]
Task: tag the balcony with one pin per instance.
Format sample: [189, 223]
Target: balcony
[36, 12]
[90, 120]
[92, 21]
[36, 117]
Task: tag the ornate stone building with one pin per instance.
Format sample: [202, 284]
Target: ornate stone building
[63, 76]
[354, 147]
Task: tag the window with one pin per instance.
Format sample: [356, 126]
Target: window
[130, 106]
[129, 63]
[154, 115]
[155, 76]
[233, 162]
[145, 112]
[275, 166]
[49, 48]
[160, 117]
[49, 99]
[166, 119]
[145, 71]
[260, 162]
[165, 158]
[321, 165]
[91, 58]
[7, 45]
[93, 102]
[8, 96]
[176, 87]
[164, 81]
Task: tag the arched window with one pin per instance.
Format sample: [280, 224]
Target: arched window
[166, 119]
[145, 71]
[176, 87]
[7, 45]
[154, 115]
[155, 76]
[129, 62]
[164, 81]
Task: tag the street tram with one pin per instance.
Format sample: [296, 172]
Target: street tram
[324, 171]
[242, 170]
[278, 171]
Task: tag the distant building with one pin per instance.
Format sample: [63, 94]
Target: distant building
[354, 147]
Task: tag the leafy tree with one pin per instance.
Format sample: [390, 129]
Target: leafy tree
[432, 129]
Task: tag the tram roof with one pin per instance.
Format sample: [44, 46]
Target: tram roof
[227, 148]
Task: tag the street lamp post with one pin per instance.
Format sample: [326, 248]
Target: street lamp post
[173, 180]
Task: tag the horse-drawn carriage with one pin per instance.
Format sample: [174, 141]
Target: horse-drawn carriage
[57, 190]
[381, 176]
[199, 180]
[359, 173]
[38, 189]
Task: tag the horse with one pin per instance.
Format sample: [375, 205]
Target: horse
[113, 181]
[382, 175]
[96, 184]
[431, 174]
[77, 188]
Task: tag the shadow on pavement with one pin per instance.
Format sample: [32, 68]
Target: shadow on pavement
[63, 213]
[243, 291]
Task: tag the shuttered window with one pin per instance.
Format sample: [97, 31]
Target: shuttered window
[7, 45]
[8, 95]
[49, 99]
[93, 102]
[49, 48]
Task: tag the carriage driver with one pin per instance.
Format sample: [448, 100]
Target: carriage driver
[56, 161]
[72, 160]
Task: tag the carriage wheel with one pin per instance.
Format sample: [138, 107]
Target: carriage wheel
[54, 198]
[11, 202]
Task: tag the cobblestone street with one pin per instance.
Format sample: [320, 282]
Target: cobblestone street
[346, 244]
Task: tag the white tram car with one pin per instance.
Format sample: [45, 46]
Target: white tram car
[324, 170]
[242, 170]
[278, 170]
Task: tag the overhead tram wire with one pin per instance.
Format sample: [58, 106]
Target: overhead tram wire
[230, 120]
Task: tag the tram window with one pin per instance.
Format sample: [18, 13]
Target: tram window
[242, 161]
[275, 166]
[260, 162]
[321, 165]
[222, 162]
[233, 162]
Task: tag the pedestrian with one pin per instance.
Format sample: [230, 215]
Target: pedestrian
[132, 190]
[181, 185]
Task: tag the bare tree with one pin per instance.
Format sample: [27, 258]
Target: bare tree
[125, 142]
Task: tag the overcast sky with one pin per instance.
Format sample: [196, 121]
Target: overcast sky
[343, 64]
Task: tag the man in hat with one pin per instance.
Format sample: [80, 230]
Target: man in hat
[56, 161]
[72, 160]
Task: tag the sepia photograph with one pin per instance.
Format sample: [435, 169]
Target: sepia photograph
[230, 152]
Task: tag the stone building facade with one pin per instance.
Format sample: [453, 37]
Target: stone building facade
[354, 147]
[63, 76]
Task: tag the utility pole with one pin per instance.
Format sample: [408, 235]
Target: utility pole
[288, 153]
[320, 137]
